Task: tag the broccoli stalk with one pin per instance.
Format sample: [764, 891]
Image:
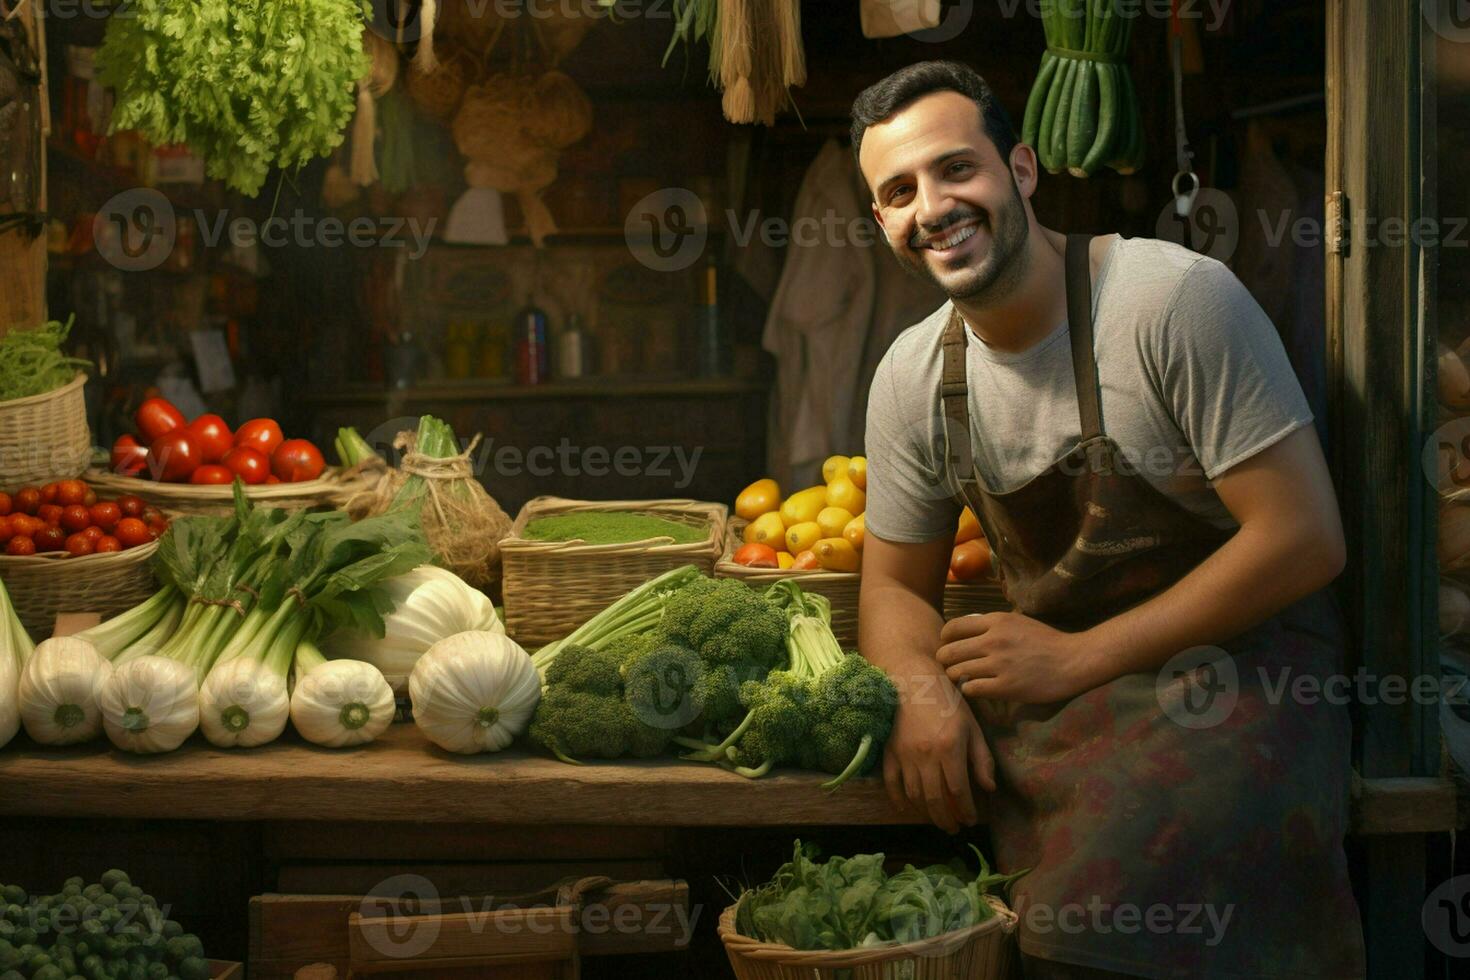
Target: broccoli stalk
[636, 613]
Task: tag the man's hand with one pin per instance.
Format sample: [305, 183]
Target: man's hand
[1011, 657]
[935, 747]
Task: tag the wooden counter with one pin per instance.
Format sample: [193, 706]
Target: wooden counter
[402, 777]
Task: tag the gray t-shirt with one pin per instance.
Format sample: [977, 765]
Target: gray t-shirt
[1194, 380]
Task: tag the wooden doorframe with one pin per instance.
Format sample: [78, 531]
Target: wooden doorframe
[22, 254]
[1380, 349]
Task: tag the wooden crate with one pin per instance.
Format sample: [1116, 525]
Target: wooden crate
[288, 932]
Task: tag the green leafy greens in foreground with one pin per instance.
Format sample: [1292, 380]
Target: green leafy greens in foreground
[31, 361]
[847, 903]
[247, 84]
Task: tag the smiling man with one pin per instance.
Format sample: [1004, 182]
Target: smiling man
[1121, 416]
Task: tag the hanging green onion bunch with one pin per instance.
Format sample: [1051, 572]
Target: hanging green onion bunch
[1083, 111]
[247, 84]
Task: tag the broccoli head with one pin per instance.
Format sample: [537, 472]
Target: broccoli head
[578, 724]
[584, 669]
[726, 622]
[853, 707]
[662, 685]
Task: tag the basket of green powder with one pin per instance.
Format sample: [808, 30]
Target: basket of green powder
[567, 560]
[43, 413]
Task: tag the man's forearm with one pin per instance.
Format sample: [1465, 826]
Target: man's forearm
[1253, 576]
[899, 632]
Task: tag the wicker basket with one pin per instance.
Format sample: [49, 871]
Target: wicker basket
[552, 587]
[332, 489]
[981, 952]
[41, 586]
[841, 588]
[44, 437]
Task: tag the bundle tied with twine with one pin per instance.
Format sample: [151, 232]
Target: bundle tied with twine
[462, 523]
[756, 57]
[382, 74]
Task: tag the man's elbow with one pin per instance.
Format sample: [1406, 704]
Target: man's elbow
[1330, 552]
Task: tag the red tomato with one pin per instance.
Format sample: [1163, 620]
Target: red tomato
[4, 504]
[79, 544]
[214, 436]
[50, 539]
[272, 479]
[132, 532]
[70, 492]
[131, 506]
[48, 493]
[89, 498]
[20, 546]
[756, 555]
[5, 530]
[156, 417]
[128, 457]
[213, 473]
[106, 543]
[94, 532]
[296, 461]
[50, 513]
[76, 518]
[105, 515]
[151, 514]
[250, 465]
[25, 525]
[174, 456]
[263, 435]
[970, 560]
[27, 500]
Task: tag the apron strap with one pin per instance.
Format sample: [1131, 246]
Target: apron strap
[1079, 325]
[959, 459]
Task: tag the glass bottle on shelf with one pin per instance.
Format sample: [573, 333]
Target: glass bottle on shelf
[530, 331]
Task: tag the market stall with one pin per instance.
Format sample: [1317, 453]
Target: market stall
[434, 521]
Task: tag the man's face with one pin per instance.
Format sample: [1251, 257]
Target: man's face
[946, 200]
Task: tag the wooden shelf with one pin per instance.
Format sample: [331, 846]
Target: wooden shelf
[482, 390]
[402, 777]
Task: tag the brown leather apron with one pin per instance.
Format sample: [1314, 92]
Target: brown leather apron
[1167, 837]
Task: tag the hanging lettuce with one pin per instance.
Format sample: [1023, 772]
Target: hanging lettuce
[247, 84]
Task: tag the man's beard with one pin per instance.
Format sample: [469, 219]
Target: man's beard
[1004, 264]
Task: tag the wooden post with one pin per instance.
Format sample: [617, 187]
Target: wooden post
[1382, 411]
[23, 257]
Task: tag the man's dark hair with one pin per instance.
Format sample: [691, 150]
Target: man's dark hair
[881, 100]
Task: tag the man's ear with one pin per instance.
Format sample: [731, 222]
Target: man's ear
[1025, 169]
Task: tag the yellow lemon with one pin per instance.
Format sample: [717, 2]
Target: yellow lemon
[832, 520]
[834, 467]
[803, 506]
[855, 531]
[800, 537]
[969, 528]
[857, 472]
[761, 497]
[784, 559]
[766, 529]
[843, 493]
[837, 555]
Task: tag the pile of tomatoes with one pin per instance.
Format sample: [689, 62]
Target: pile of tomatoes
[205, 451]
[67, 516]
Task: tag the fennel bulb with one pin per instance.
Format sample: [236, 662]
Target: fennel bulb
[339, 702]
[474, 692]
[243, 703]
[15, 649]
[58, 691]
[150, 704]
[429, 604]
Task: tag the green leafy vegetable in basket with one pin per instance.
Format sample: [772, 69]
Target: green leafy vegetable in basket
[610, 527]
[849, 903]
[31, 361]
[247, 84]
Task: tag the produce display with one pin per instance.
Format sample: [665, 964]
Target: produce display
[747, 680]
[610, 527]
[823, 528]
[31, 362]
[1083, 111]
[15, 647]
[109, 929]
[852, 903]
[68, 517]
[169, 449]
